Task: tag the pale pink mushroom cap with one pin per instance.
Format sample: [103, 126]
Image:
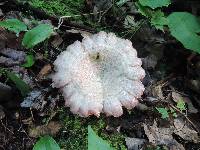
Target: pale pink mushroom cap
[100, 74]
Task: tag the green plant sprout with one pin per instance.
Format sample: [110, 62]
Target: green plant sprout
[164, 111]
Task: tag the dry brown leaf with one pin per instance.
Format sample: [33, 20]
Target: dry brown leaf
[83, 33]
[16, 55]
[28, 121]
[57, 41]
[134, 143]
[162, 136]
[8, 62]
[44, 71]
[157, 92]
[51, 129]
[185, 132]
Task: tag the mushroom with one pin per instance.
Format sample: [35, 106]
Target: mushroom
[100, 74]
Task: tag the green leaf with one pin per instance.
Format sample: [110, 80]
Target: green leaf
[14, 25]
[181, 105]
[155, 3]
[30, 60]
[185, 28]
[145, 11]
[20, 84]
[46, 143]
[95, 142]
[158, 19]
[163, 112]
[37, 35]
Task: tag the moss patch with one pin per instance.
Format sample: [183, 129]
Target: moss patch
[59, 7]
[74, 134]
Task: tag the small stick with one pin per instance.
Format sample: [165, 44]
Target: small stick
[184, 116]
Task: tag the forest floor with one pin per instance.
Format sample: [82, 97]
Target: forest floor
[167, 116]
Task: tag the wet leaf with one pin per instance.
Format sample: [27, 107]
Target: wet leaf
[30, 60]
[95, 142]
[46, 143]
[37, 35]
[155, 3]
[20, 84]
[14, 25]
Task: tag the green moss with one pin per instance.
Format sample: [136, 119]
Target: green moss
[59, 7]
[74, 134]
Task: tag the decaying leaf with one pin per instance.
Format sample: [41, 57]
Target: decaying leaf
[57, 41]
[51, 129]
[134, 143]
[44, 71]
[35, 99]
[185, 132]
[11, 57]
[162, 136]
[8, 62]
[16, 55]
[150, 62]
[157, 92]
